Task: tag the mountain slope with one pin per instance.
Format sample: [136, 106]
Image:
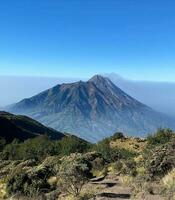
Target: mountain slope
[158, 95]
[22, 128]
[93, 110]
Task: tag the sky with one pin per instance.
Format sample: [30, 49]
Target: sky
[76, 38]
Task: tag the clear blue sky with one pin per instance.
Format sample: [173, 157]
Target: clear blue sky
[79, 38]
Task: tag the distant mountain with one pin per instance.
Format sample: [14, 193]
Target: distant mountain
[92, 110]
[157, 95]
[22, 128]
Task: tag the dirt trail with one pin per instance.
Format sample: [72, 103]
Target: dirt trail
[114, 190]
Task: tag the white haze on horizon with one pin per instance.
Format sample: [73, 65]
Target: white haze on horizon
[158, 95]
[16, 88]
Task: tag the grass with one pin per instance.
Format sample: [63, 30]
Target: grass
[169, 181]
[131, 144]
[3, 193]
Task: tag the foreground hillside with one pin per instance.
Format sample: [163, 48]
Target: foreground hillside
[22, 128]
[92, 110]
[118, 167]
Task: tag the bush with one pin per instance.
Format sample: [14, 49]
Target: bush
[28, 181]
[108, 153]
[96, 163]
[112, 154]
[41, 147]
[162, 136]
[37, 148]
[72, 144]
[11, 151]
[126, 154]
[115, 167]
[117, 135]
[73, 174]
[160, 160]
[53, 162]
[129, 167]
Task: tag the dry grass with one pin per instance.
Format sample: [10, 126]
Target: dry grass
[3, 194]
[169, 180]
[126, 180]
[168, 183]
[131, 144]
[88, 192]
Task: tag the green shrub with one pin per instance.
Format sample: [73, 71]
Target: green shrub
[37, 148]
[28, 181]
[108, 153]
[118, 166]
[117, 135]
[73, 174]
[12, 151]
[129, 167]
[72, 144]
[162, 136]
[115, 167]
[126, 154]
[41, 147]
[16, 181]
[112, 154]
[160, 160]
[53, 162]
[98, 163]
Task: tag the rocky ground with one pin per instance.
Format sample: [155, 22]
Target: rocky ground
[114, 189]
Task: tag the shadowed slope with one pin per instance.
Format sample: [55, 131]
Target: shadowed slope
[22, 128]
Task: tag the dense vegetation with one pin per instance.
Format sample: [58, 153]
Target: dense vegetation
[41, 168]
[41, 147]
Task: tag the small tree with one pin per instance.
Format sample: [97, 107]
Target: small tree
[118, 135]
[73, 174]
[10, 151]
[108, 153]
[72, 144]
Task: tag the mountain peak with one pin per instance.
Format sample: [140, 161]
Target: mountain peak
[98, 79]
[92, 110]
